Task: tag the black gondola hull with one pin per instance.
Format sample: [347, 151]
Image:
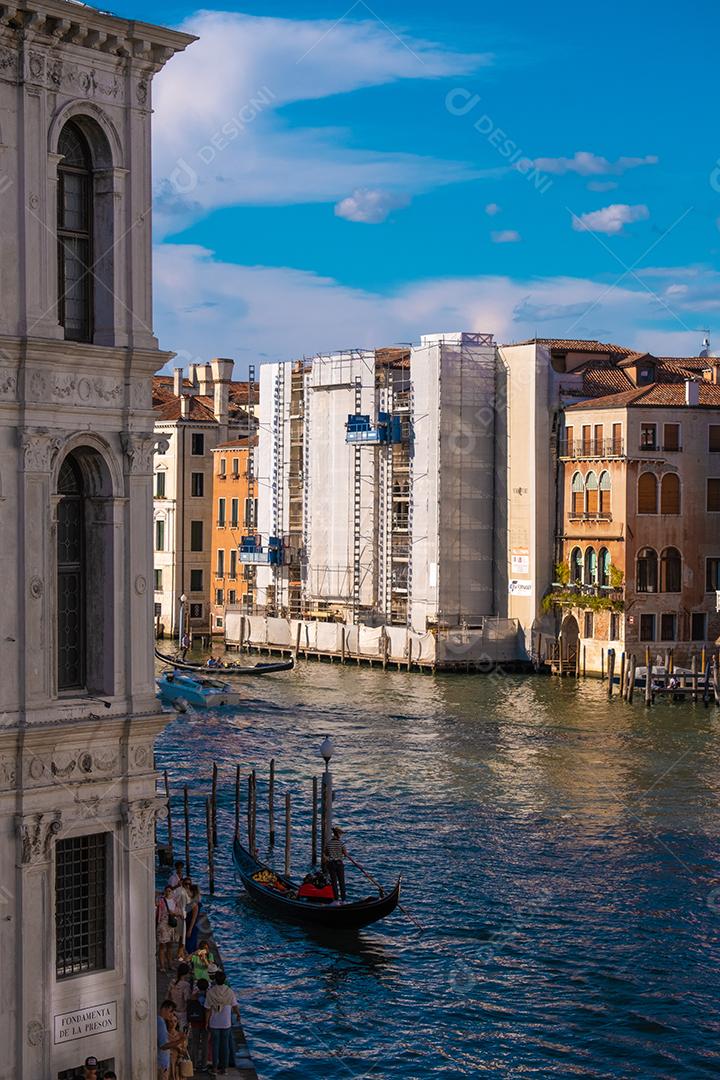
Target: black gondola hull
[343, 917]
[231, 669]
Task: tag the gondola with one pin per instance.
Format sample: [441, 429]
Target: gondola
[229, 669]
[349, 916]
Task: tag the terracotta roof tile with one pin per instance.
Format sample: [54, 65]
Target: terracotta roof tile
[655, 395]
[577, 345]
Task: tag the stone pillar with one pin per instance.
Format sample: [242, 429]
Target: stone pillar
[138, 854]
[34, 941]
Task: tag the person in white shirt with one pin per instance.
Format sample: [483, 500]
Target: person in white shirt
[220, 1004]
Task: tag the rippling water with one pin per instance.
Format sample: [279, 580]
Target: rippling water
[561, 852]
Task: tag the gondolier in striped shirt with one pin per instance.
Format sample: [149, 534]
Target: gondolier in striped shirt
[335, 852]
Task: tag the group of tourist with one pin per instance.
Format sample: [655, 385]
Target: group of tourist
[176, 918]
[195, 1020]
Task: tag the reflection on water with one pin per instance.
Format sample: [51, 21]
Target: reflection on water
[559, 850]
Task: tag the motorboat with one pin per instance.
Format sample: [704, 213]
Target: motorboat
[182, 688]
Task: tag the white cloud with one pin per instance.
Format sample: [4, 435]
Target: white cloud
[214, 308]
[492, 209]
[370, 206]
[611, 219]
[222, 137]
[602, 185]
[586, 164]
[505, 236]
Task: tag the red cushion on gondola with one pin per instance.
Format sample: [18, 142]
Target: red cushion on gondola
[309, 892]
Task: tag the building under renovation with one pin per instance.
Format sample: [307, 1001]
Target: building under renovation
[376, 488]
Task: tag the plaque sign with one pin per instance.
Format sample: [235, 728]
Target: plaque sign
[82, 1023]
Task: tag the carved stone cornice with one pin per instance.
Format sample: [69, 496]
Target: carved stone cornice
[140, 817]
[51, 23]
[39, 448]
[139, 448]
[35, 833]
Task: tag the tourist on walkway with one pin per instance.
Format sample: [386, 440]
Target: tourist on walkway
[181, 896]
[197, 1020]
[179, 991]
[191, 918]
[177, 875]
[202, 961]
[166, 922]
[179, 1050]
[164, 1041]
[220, 1004]
[335, 852]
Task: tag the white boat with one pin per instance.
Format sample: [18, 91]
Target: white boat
[180, 687]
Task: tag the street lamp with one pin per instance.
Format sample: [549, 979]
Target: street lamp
[326, 751]
[181, 628]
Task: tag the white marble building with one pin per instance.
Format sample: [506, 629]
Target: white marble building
[78, 713]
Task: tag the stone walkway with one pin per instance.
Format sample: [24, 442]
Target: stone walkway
[244, 1067]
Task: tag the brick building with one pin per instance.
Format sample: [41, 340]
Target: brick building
[639, 506]
[234, 515]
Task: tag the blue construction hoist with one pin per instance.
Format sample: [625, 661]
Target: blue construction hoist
[360, 430]
[252, 551]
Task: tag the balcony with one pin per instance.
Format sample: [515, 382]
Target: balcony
[590, 515]
[592, 448]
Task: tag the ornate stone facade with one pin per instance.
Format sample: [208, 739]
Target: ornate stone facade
[76, 751]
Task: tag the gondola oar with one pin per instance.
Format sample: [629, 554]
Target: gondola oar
[382, 892]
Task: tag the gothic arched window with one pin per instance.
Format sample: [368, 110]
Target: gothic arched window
[647, 493]
[590, 566]
[578, 494]
[603, 565]
[71, 578]
[670, 494]
[576, 565]
[647, 570]
[591, 493]
[74, 234]
[605, 489]
[671, 570]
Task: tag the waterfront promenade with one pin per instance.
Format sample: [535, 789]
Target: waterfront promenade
[244, 1066]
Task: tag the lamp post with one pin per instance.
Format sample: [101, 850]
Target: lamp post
[181, 627]
[326, 752]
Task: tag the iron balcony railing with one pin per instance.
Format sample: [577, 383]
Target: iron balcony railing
[586, 448]
[590, 515]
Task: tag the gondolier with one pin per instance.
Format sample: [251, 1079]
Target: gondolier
[335, 852]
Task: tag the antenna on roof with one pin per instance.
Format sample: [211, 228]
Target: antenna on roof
[705, 349]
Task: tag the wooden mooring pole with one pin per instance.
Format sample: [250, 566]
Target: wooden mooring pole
[622, 675]
[211, 860]
[287, 834]
[169, 817]
[214, 804]
[186, 811]
[631, 678]
[237, 802]
[271, 803]
[584, 662]
[648, 678]
[254, 811]
[611, 672]
[314, 820]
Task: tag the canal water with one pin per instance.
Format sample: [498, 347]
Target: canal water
[561, 852]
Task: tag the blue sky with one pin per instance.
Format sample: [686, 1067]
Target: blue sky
[329, 178]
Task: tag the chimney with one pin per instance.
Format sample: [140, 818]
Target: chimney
[184, 406]
[692, 392]
[205, 380]
[222, 370]
[177, 381]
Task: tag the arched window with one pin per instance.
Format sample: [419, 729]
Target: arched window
[590, 566]
[86, 208]
[71, 588]
[603, 566]
[671, 570]
[576, 566]
[647, 493]
[578, 494]
[604, 486]
[670, 494]
[647, 570]
[85, 565]
[74, 231]
[591, 493]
